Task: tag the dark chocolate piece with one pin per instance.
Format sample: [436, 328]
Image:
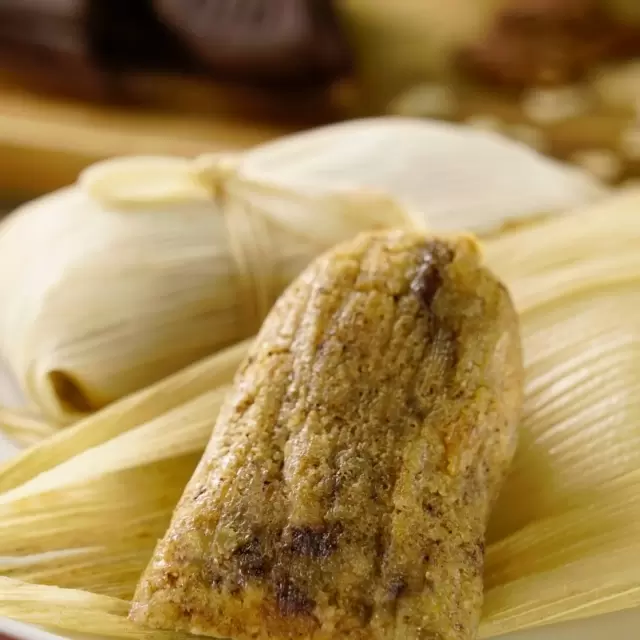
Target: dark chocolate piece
[45, 44]
[126, 35]
[81, 47]
[429, 278]
[262, 40]
[86, 47]
[57, 25]
[114, 34]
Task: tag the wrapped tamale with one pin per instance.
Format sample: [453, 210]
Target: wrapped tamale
[191, 255]
[348, 481]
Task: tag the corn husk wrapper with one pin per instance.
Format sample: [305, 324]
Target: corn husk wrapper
[148, 264]
[456, 177]
[23, 427]
[564, 540]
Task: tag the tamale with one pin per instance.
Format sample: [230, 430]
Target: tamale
[347, 484]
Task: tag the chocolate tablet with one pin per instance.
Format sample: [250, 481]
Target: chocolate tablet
[263, 40]
[57, 25]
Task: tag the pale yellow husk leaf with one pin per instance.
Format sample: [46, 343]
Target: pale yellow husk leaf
[195, 418]
[168, 394]
[565, 535]
[73, 610]
[24, 427]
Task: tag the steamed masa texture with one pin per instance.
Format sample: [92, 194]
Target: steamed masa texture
[348, 481]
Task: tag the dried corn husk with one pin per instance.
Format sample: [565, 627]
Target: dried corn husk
[148, 264]
[570, 550]
[456, 177]
[164, 396]
[78, 611]
[23, 427]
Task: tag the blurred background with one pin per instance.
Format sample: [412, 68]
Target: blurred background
[96, 305]
[81, 80]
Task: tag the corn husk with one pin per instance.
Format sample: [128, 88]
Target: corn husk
[456, 177]
[75, 611]
[23, 427]
[149, 264]
[565, 534]
[164, 396]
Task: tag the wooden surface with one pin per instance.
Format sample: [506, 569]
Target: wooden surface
[45, 141]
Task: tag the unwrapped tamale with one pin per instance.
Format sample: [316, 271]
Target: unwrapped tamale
[348, 481]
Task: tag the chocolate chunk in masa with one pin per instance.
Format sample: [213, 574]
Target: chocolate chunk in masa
[397, 587]
[127, 36]
[251, 560]
[429, 277]
[315, 542]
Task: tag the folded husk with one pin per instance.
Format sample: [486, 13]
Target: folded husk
[131, 412]
[23, 427]
[565, 535]
[149, 264]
